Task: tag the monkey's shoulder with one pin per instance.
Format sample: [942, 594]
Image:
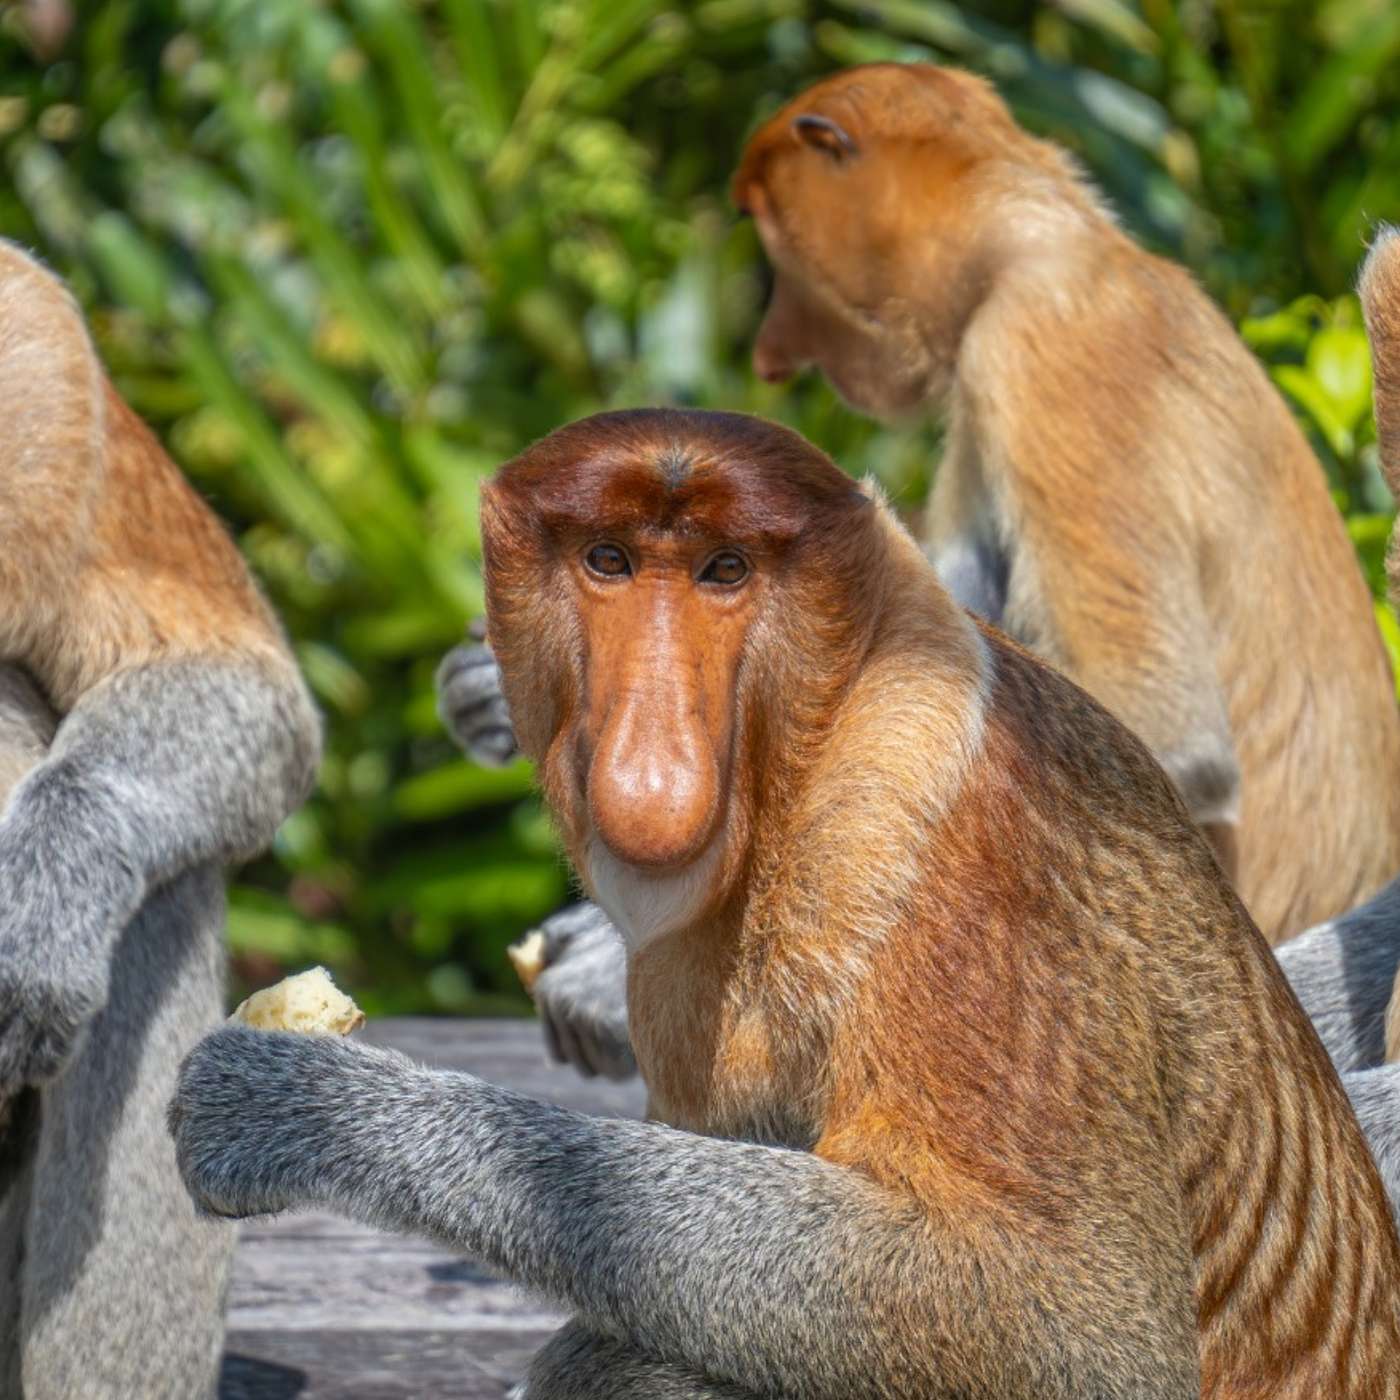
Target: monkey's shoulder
[1055, 738]
[107, 554]
[1065, 831]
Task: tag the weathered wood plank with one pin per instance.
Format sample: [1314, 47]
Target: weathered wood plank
[374, 1365]
[321, 1307]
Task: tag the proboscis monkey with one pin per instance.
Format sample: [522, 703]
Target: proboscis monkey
[153, 726]
[972, 1076]
[1122, 489]
[1345, 971]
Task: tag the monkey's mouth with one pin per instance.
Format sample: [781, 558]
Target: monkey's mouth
[649, 903]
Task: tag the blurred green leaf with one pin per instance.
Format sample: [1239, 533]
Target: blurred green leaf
[1339, 361]
[460, 787]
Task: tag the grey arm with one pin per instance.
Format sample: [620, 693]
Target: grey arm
[760, 1267]
[1344, 973]
[154, 771]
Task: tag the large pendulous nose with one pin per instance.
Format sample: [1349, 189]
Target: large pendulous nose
[653, 783]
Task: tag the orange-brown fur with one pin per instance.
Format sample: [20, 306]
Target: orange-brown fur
[1167, 534]
[962, 939]
[108, 559]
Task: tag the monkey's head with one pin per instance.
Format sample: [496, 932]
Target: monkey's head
[873, 193]
[667, 591]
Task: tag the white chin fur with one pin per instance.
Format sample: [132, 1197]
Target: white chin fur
[644, 904]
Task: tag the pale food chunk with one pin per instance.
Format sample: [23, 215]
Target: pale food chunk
[527, 957]
[309, 1003]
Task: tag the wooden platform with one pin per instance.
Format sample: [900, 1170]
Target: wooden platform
[325, 1310]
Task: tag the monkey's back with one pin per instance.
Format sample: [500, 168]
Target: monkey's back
[1084, 982]
[1314, 716]
[1174, 451]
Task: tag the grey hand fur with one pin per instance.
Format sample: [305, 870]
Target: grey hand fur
[754, 1270]
[1344, 972]
[582, 992]
[472, 707]
[111, 967]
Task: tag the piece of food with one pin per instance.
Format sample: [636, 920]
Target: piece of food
[527, 957]
[309, 1003]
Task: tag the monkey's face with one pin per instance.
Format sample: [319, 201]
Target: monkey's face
[873, 356]
[641, 570]
[861, 190]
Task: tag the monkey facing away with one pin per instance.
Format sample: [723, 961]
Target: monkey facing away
[972, 1076]
[1122, 489]
[153, 726]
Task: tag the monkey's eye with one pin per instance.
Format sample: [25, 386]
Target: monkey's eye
[607, 561]
[726, 568]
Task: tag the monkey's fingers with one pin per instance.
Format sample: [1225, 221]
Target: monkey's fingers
[587, 1039]
[571, 925]
[472, 706]
[567, 1046]
[614, 1058]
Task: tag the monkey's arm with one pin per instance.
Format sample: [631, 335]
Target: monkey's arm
[764, 1267]
[1108, 596]
[156, 769]
[1375, 1095]
[1125, 622]
[1343, 972]
[187, 734]
[973, 570]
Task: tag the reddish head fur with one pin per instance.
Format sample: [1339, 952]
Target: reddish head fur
[648, 663]
[878, 301]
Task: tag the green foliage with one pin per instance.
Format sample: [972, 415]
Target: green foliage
[347, 256]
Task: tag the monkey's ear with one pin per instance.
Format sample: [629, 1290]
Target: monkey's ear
[823, 134]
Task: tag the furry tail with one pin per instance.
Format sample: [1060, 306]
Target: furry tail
[1380, 300]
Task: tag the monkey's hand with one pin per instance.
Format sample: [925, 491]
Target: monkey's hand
[582, 993]
[252, 1107]
[472, 706]
[65, 894]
